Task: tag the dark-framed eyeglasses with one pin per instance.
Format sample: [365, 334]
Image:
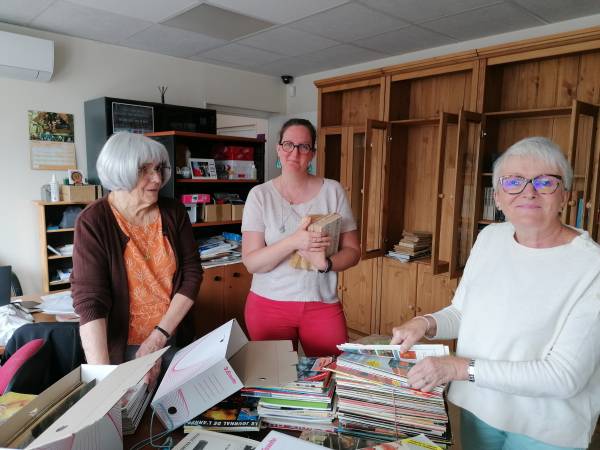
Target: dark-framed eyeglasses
[163, 170]
[543, 184]
[289, 146]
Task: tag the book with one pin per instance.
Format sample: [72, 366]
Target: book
[11, 402]
[416, 353]
[234, 414]
[329, 225]
[204, 439]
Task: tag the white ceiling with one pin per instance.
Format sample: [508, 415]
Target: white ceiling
[293, 37]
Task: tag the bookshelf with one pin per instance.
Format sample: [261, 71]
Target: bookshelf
[50, 214]
[413, 145]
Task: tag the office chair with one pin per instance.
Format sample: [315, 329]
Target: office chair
[64, 352]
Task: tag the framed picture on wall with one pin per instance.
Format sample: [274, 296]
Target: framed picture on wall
[203, 169]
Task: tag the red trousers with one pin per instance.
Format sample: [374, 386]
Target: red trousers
[319, 326]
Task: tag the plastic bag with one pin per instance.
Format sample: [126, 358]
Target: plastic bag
[69, 216]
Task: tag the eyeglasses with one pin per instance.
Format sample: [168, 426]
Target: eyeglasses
[163, 170]
[289, 146]
[543, 184]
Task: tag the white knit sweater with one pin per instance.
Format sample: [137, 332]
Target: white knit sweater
[531, 319]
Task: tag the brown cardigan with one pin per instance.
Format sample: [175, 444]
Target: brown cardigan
[99, 279]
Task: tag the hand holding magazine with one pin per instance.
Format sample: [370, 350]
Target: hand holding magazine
[416, 353]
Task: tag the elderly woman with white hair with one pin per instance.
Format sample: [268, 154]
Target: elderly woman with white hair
[136, 268]
[527, 317]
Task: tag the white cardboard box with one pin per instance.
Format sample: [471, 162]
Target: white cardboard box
[94, 422]
[216, 366]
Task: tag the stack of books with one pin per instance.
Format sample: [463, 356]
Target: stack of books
[234, 414]
[133, 405]
[413, 245]
[329, 225]
[308, 403]
[375, 400]
[220, 250]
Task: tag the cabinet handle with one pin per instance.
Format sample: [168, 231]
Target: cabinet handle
[236, 274]
[411, 307]
[419, 309]
[217, 278]
[571, 202]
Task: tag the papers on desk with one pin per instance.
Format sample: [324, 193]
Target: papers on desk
[216, 441]
[58, 303]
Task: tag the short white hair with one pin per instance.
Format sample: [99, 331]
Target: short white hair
[541, 149]
[122, 157]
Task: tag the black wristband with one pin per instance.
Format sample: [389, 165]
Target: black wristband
[329, 265]
[163, 331]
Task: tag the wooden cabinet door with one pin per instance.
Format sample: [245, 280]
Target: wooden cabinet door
[208, 309]
[398, 294]
[357, 296]
[237, 286]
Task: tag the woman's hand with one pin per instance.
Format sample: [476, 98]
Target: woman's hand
[409, 333]
[312, 241]
[155, 341]
[433, 371]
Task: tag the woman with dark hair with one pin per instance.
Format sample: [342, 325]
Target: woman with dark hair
[136, 268]
[285, 302]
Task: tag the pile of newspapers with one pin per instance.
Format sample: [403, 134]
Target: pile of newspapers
[220, 250]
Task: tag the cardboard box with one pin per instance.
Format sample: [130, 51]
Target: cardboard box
[75, 193]
[216, 366]
[216, 213]
[237, 211]
[94, 422]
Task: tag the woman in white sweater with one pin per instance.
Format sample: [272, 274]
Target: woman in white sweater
[526, 315]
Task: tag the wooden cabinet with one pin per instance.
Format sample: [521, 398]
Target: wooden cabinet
[222, 297]
[55, 235]
[413, 146]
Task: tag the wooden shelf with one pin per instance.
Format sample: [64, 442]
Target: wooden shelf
[205, 136]
[189, 180]
[60, 230]
[61, 203]
[59, 282]
[531, 113]
[59, 257]
[486, 174]
[417, 122]
[214, 224]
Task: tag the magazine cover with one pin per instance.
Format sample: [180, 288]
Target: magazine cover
[235, 413]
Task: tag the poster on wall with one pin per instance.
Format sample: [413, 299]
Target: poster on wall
[51, 141]
[132, 118]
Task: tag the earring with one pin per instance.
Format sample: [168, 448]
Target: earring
[278, 164]
[309, 169]
[498, 207]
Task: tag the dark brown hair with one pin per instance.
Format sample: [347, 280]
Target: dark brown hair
[302, 123]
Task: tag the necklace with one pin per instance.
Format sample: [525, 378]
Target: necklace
[292, 211]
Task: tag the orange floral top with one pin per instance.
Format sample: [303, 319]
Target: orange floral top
[150, 265]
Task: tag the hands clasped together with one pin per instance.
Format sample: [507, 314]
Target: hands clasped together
[431, 371]
[311, 245]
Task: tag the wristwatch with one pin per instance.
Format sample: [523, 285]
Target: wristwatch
[328, 267]
[471, 371]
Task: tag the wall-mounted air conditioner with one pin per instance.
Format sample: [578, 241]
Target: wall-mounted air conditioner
[26, 57]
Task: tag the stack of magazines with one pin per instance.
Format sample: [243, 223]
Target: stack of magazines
[234, 414]
[413, 245]
[307, 403]
[133, 405]
[220, 250]
[375, 400]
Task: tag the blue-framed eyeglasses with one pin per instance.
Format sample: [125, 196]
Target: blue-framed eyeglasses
[289, 146]
[543, 184]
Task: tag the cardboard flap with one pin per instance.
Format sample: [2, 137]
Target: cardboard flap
[266, 363]
[96, 403]
[201, 355]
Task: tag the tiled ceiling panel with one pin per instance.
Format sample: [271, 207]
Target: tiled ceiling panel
[21, 12]
[240, 55]
[288, 41]
[278, 11]
[404, 40]
[349, 22]
[152, 11]
[556, 10]
[216, 22]
[417, 11]
[172, 41]
[75, 20]
[495, 19]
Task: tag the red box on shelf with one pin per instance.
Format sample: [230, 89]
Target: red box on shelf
[195, 198]
[232, 152]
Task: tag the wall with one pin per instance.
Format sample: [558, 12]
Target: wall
[305, 99]
[85, 70]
